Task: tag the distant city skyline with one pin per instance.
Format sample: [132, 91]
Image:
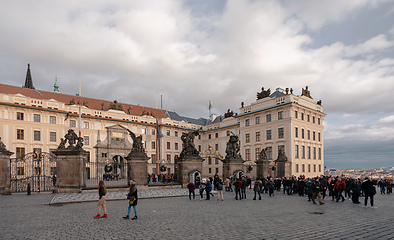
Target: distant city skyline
[196, 53]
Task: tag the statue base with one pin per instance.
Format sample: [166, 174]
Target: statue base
[137, 167]
[231, 166]
[187, 165]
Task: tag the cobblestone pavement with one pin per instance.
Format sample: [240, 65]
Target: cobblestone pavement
[117, 195]
[277, 217]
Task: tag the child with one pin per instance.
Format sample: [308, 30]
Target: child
[102, 191]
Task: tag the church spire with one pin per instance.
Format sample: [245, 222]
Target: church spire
[28, 81]
[56, 86]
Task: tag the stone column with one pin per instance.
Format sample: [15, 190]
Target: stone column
[70, 170]
[137, 164]
[231, 165]
[5, 179]
[187, 165]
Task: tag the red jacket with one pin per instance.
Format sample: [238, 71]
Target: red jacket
[340, 185]
[237, 184]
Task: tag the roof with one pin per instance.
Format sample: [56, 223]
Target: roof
[92, 103]
[175, 116]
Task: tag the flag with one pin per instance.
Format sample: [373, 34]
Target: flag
[210, 105]
[159, 134]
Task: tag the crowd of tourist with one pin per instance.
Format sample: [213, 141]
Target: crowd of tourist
[315, 189]
[162, 178]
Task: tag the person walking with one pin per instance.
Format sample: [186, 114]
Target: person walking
[191, 188]
[219, 189]
[316, 189]
[133, 200]
[237, 186]
[243, 187]
[102, 190]
[208, 188]
[355, 187]
[369, 191]
[271, 186]
[340, 187]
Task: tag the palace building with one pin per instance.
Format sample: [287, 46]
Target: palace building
[34, 120]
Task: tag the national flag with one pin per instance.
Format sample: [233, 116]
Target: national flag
[210, 105]
[159, 134]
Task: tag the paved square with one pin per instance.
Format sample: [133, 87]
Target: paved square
[278, 217]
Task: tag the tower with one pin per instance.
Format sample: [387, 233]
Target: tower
[28, 81]
[56, 86]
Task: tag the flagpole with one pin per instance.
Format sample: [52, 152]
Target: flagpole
[79, 118]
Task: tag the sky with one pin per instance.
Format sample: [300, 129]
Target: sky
[192, 52]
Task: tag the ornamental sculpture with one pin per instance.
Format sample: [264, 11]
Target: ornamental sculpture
[2, 145]
[189, 149]
[232, 148]
[306, 92]
[228, 114]
[72, 139]
[263, 93]
[137, 142]
[210, 153]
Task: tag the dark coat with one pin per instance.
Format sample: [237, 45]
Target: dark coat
[369, 188]
[133, 194]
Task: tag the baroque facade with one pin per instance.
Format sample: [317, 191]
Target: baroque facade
[32, 120]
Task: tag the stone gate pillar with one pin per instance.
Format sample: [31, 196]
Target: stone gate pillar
[282, 166]
[187, 165]
[5, 178]
[70, 165]
[232, 165]
[137, 165]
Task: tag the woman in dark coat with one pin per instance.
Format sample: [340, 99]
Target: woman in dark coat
[355, 189]
[133, 199]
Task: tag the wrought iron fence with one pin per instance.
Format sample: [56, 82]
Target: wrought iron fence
[113, 174]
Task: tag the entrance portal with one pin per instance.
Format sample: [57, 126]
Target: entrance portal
[193, 176]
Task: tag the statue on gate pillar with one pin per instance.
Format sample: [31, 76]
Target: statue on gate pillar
[189, 149]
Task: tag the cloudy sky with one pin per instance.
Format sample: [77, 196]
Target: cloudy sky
[192, 52]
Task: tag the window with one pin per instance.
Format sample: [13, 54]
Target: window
[318, 121]
[297, 151]
[176, 133]
[20, 152]
[247, 138]
[169, 158]
[216, 147]
[313, 119]
[281, 149]
[86, 140]
[19, 116]
[86, 125]
[52, 136]
[318, 137]
[309, 152]
[73, 123]
[257, 153]
[296, 132]
[302, 133]
[297, 168]
[176, 146]
[303, 167]
[216, 161]
[314, 136]
[257, 120]
[52, 119]
[309, 134]
[296, 114]
[20, 134]
[168, 145]
[269, 152]
[269, 136]
[143, 131]
[314, 153]
[216, 135]
[303, 152]
[209, 136]
[302, 116]
[168, 133]
[217, 170]
[209, 160]
[37, 118]
[247, 154]
[319, 168]
[309, 168]
[210, 170]
[319, 154]
[37, 136]
[280, 115]
[153, 132]
[153, 157]
[268, 117]
[280, 133]
[257, 136]
[153, 145]
[247, 122]
[307, 118]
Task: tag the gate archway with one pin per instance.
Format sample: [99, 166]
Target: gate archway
[37, 169]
